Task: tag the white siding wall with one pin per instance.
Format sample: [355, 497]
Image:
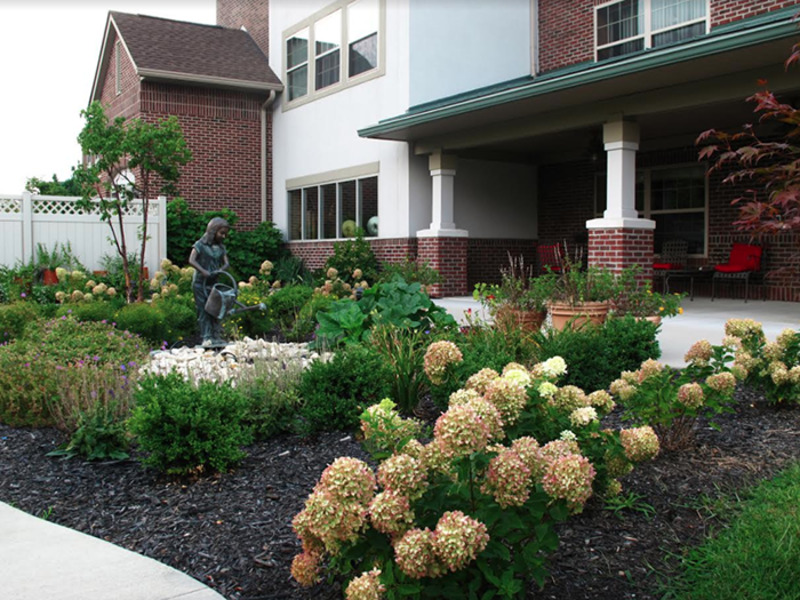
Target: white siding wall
[460, 45]
[321, 135]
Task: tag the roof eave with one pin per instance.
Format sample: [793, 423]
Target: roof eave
[398, 128]
[197, 79]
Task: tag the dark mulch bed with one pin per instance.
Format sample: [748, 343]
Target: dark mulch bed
[233, 531]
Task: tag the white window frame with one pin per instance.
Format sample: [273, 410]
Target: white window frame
[337, 178]
[345, 79]
[648, 33]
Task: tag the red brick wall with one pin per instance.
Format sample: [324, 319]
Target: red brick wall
[727, 11]
[448, 255]
[566, 201]
[566, 29]
[315, 253]
[223, 131]
[252, 14]
[125, 104]
[617, 249]
[485, 258]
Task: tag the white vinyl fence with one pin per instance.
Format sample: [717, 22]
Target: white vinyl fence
[28, 219]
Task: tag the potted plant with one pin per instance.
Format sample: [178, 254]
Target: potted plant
[581, 295]
[47, 261]
[636, 297]
[519, 300]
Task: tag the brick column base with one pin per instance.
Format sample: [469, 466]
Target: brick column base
[448, 255]
[616, 249]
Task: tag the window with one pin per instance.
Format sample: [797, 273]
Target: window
[333, 210]
[628, 26]
[117, 67]
[350, 25]
[674, 197]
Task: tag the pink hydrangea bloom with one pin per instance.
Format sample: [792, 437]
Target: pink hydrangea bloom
[458, 539]
[568, 398]
[331, 520]
[390, 513]
[481, 380]
[366, 586]
[306, 569]
[569, 478]
[509, 397]
[508, 479]
[690, 395]
[700, 353]
[639, 443]
[415, 554]
[721, 382]
[349, 479]
[460, 431]
[404, 474]
[438, 357]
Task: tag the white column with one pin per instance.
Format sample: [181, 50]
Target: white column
[443, 172]
[621, 141]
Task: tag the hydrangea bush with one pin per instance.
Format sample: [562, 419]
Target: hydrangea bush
[671, 401]
[772, 367]
[471, 512]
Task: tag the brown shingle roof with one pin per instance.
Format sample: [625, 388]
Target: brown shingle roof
[201, 51]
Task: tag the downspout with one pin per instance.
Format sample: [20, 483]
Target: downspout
[264, 107]
[535, 36]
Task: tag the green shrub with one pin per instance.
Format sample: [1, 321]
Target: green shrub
[14, 318]
[596, 355]
[334, 393]
[180, 317]
[44, 374]
[286, 303]
[145, 320]
[187, 428]
[100, 310]
[247, 249]
[290, 269]
[410, 271]
[350, 255]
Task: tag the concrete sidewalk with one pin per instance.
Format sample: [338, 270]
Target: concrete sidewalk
[40, 560]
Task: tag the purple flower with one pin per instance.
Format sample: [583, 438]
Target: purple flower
[23, 295]
[123, 367]
[95, 358]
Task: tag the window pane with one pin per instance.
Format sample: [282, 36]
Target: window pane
[369, 205]
[618, 21]
[312, 213]
[329, 211]
[363, 54]
[669, 13]
[347, 191]
[680, 34]
[298, 82]
[327, 70]
[362, 36]
[676, 189]
[295, 214]
[621, 49]
[297, 49]
[687, 226]
[328, 33]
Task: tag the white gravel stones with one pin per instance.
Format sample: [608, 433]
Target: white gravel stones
[196, 363]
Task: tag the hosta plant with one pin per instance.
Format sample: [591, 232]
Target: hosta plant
[470, 513]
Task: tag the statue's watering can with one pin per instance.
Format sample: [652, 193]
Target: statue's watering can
[222, 297]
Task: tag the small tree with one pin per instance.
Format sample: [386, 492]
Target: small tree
[114, 152]
[771, 203]
[68, 187]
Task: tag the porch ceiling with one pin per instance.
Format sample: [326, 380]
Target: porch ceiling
[673, 95]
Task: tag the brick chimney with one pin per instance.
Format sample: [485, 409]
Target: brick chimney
[253, 15]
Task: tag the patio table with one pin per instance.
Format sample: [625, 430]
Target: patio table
[700, 273]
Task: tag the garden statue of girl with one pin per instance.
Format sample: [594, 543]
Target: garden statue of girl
[208, 257]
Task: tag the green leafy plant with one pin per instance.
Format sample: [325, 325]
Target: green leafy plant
[272, 387]
[670, 400]
[131, 159]
[189, 428]
[98, 435]
[144, 320]
[636, 297]
[286, 303]
[14, 318]
[629, 502]
[404, 352]
[472, 512]
[411, 271]
[335, 392]
[518, 289]
[395, 303]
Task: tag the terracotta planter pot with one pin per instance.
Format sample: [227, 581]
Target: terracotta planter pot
[526, 320]
[652, 318]
[564, 315]
[49, 277]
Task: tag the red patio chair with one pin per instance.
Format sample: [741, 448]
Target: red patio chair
[549, 258]
[743, 264]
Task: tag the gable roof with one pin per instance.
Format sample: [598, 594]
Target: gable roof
[178, 51]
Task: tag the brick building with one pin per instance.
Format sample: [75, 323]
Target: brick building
[217, 82]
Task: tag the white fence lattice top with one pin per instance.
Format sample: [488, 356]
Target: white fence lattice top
[65, 205]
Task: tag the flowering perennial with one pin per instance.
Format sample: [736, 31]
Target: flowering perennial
[458, 539]
[438, 357]
[367, 586]
[640, 443]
